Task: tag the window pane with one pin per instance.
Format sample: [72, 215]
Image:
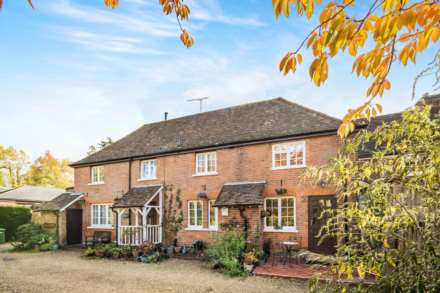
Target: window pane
[192, 217]
[199, 214]
[211, 162]
[95, 214]
[201, 163]
[109, 215]
[102, 214]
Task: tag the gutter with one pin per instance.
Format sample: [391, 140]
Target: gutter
[208, 148]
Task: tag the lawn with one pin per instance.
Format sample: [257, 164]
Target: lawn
[66, 271]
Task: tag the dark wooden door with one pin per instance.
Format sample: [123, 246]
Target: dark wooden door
[316, 205]
[74, 226]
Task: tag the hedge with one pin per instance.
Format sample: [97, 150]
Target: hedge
[12, 217]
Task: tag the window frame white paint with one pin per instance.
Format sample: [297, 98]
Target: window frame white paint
[197, 226]
[150, 163]
[107, 211]
[279, 208]
[290, 146]
[99, 176]
[215, 226]
[206, 160]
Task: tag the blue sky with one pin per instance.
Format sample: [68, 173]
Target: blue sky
[73, 72]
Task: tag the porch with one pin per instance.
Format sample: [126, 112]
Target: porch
[139, 216]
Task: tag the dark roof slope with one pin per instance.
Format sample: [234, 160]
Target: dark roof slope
[367, 149]
[137, 197]
[59, 202]
[240, 193]
[258, 121]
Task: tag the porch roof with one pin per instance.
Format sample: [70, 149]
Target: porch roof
[60, 202]
[137, 196]
[241, 194]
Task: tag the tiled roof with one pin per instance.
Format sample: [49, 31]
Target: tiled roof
[31, 193]
[240, 194]
[367, 149]
[137, 197]
[270, 119]
[59, 202]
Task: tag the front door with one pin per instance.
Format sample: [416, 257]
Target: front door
[74, 226]
[316, 205]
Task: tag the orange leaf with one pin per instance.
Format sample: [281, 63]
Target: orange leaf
[111, 3]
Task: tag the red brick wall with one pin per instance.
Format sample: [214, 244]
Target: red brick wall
[246, 163]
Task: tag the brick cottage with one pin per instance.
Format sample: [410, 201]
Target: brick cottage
[233, 165]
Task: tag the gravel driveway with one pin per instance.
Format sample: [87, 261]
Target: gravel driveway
[66, 271]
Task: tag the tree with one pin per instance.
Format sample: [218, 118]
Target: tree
[388, 220]
[48, 171]
[12, 165]
[388, 31]
[102, 144]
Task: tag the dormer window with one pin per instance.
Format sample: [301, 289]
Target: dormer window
[206, 163]
[148, 170]
[97, 175]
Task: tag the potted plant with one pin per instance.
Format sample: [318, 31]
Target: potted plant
[281, 191]
[137, 253]
[100, 251]
[116, 252]
[249, 260]
[147, 247]
[126, 251]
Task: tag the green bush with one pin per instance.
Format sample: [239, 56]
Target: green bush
[227, 251]
[90, 251]
[13, 217]
[31, 236]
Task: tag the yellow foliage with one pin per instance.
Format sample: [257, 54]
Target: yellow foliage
[400, 30]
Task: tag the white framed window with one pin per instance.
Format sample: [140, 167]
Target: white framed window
[289, 155]
[148, 170]
[195, 214]
[206, 163]
[101, 215]
[212, 215]
[97, 175]
[280, 214]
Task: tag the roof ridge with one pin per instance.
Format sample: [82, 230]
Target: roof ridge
[307, 108]
[217, 110]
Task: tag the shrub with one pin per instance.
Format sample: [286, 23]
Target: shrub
[155, 257]
[89, 251]
[30, 236]
[228, 251]
[13, 217]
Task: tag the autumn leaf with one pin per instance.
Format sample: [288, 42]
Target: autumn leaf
[111, 3]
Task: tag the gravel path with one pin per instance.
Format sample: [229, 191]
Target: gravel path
[66, 271]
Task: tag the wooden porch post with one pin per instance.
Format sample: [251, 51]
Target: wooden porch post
[144, 223]
[160, 215]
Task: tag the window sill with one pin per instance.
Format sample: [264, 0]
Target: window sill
[96, 183]
[289, 167]
[205, 174]
[272, 230]
[100, 227]
[201, 229]
[147, 179]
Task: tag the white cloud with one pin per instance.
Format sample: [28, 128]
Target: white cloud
[211, 11]
[147, 22]
[104, 42]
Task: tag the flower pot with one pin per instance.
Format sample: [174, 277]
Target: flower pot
[248, 268]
